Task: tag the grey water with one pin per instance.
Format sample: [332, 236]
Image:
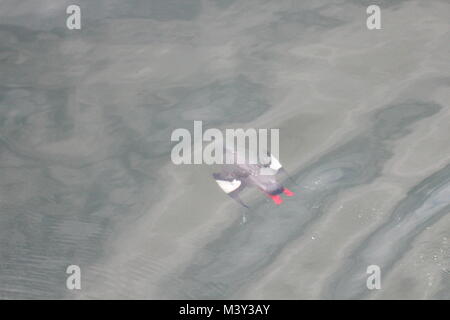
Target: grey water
[86, 176]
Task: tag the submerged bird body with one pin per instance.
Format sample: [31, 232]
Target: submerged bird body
[235, 177]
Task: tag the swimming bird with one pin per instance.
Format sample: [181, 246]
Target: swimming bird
[236, 177]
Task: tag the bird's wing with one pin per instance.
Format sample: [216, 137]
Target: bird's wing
[232, 184]
[274, 167]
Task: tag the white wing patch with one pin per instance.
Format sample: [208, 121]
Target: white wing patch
[274, 163]
[228, 186]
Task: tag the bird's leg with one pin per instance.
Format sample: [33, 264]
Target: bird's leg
[288, 192]
[275, 198]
